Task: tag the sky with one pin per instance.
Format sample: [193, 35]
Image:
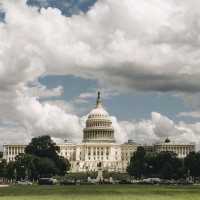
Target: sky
[143, 55]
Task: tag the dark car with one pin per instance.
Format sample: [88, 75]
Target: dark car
[67, 182]
[124, 182]
[47, 181]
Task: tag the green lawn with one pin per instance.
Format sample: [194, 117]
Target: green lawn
[100, 192]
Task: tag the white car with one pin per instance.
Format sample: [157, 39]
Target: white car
[152, 180]
[24, 183]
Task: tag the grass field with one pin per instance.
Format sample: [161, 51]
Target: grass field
[100, 192]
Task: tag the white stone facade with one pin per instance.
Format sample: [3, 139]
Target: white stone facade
[86, 156]
[182, 150]
[10, 151]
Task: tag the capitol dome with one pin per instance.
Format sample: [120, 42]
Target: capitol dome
[98, 125]
[99, 111]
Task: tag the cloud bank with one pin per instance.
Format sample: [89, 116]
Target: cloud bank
[125, 45]
[145, 45]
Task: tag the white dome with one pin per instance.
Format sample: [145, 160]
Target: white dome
[98, 112]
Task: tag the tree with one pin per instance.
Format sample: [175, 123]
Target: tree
[21, 165]
[44, 147]
[63, 165]
[11, 172]
[136, 166]
[150, 163]
[192, 164]
[46, 167]
[1, 155]
[165, 165]
[166, 172]
[3, 167]
[168, 165]
[26, 166]
[32, 167]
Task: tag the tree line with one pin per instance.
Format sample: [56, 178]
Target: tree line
[164, 165]
[41, 159]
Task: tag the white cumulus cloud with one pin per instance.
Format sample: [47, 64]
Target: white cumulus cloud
[147, 45]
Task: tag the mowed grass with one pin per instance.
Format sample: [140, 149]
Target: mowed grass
[101, 192]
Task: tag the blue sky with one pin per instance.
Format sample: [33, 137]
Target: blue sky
[68, 7]
[134, 105]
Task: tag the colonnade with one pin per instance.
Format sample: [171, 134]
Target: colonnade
[98, 123]
[98, 134]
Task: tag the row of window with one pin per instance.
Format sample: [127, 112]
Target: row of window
[98, 153]
[98, 158]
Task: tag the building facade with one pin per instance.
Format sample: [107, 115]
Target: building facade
[10, 151]
[181, 150]
[99, 146]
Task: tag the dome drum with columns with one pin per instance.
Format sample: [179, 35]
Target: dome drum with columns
[98, 125]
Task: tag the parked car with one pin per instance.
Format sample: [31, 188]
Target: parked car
[151, 181]
[67, 182]
[124, 182]
[168, 182]
[23, 182]
[184, 182]
[47, 181]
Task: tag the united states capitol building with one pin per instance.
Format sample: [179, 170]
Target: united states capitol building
[99, 146]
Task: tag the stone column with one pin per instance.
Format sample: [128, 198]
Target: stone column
[105, 153]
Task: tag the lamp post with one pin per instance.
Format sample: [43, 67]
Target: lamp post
[15, 175]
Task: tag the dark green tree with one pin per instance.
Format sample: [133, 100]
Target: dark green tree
[165, 165]
[192, 164]
[20, 167]
[11, 171]
[63, 165]
[1, 155]
[46, 167]
[44, 147]
[136, 166]
[3, 168]
[25, 165]
[150, 163]
[166, 172]
[168, 165]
